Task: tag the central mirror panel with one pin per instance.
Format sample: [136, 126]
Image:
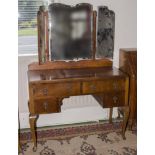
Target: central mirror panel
[70, 31]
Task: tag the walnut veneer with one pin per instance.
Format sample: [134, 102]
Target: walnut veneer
[128, 64]
[47, 89]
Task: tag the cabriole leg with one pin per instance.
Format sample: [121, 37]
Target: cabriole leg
[32, 120]
[125, 120]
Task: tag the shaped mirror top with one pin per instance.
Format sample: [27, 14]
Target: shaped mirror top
[70, 31]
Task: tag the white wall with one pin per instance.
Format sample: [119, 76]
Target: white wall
[80, 109]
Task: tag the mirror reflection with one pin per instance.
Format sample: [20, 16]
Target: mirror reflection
[70, 31]
[105, 33]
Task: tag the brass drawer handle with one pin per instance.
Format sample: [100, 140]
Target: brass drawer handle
[45, 91]
[93, 87]
[115, 99]
[45, 105]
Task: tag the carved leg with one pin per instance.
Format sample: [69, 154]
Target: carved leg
[110, 115]
[32, 120]
[125, 120]
[130, 124]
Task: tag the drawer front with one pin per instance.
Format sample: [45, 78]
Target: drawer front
[103, 86]
[56, 89]
[116, 99]
[43, 106]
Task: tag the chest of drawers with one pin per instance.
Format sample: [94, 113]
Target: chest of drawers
[128, 65]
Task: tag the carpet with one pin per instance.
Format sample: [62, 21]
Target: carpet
[81, 139]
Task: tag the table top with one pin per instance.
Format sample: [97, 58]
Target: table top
[74, 74]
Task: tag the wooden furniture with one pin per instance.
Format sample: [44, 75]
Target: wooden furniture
[52, 81]
[48, 87]
[69, 32]
[128, 64]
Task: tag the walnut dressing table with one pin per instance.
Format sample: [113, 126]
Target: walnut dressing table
[52, 80]
[48, 87]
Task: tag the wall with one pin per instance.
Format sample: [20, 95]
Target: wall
[81, 109]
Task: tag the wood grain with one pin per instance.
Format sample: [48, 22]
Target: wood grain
[70, 64]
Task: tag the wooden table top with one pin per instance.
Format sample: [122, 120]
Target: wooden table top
[74, 74]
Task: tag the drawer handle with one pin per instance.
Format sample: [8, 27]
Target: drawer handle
[115, 98]
[93, 87]
[45, 91]
[45, 105]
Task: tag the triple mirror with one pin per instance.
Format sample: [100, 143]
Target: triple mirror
[67, 33]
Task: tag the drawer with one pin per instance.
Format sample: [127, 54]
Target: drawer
[56, 89]
[103, 86]
[43, 106]
[115, 99]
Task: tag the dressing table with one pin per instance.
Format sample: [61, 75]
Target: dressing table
[50, 81]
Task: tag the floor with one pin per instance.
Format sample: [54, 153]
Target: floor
[81, 139]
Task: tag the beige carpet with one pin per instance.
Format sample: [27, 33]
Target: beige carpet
[92, 139]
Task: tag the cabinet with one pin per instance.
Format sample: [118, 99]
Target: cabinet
[128, 64]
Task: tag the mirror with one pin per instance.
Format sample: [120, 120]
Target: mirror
[70, 31]
[105, 33]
